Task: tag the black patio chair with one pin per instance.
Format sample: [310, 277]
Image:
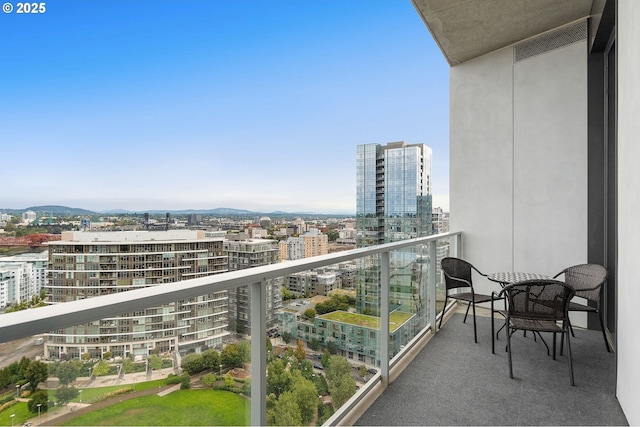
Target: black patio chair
[457, 275]
[589, 281]
[540, 305]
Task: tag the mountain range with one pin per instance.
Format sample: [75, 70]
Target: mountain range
[68, 211]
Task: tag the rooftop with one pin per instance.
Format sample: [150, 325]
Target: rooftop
[396, 319]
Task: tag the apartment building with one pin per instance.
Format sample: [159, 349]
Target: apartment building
[23, 276]
[88, 264]
[311, 243]
[393, 203]
[242, 253]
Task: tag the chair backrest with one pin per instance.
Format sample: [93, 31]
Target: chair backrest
[586, 279]
[457, 273]
[538, 299]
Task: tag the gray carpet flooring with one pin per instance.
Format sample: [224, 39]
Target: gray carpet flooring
[454, 381]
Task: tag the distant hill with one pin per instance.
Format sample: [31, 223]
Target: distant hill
[57, 210]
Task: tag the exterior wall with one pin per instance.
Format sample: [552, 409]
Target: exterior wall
[628, 45]
[244, 254]
[91, 264]
[481, 159]
[550, 160]
[518, 172]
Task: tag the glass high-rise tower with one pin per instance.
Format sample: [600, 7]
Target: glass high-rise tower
[393, 203]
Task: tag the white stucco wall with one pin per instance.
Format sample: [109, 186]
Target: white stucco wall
[628, 336]
[518, 173]
[481, 160]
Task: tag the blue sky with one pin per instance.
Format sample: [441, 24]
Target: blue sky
[198, 104]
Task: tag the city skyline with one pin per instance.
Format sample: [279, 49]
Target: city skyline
[249, 105]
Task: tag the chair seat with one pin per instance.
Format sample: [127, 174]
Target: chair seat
[574, 306]
[466, 296]
[535, 325]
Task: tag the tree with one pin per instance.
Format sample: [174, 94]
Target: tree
[314, 344]
[338, 367]
[208, 380]
[229, 382]
[269, 345]
[185, 382]
[40, 397]
[65, 394]
[326, 359]
[155, 362]
[211, 359]
[332, 347]
[101, 368]
[37, 372]
[300, 352]
[66, 373]
[309, 313]
[362, 371]
[127, 366]
[306, 396]
[23, 365]
[278, 378]
[341, 390]
[286, 337]
[193, 363]
[232, 356]
[287, 412]
[306, 369]
[333, 235]
[341, 385]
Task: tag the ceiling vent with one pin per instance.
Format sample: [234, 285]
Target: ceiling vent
[550, 41]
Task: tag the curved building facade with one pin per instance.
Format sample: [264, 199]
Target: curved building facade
[88, 264]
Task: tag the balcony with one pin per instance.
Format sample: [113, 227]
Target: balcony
[386, 336]
[453, 381]
[427, 379]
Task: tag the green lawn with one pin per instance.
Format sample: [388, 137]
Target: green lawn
[21, 412]
[180, 408]
[396, 319]
[93, 394]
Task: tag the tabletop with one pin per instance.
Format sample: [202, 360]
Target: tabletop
[512, 277]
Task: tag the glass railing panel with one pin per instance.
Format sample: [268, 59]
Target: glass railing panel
[322, 335]
[318, 348]
[186, 370]
[443, 250]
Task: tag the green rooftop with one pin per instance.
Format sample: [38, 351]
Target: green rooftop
[396, 319]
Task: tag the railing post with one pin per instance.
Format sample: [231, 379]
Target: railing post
[384, 318]
[258, 355]
[455, 245]
[431, 285]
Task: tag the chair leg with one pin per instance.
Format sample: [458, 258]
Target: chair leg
[493, 341]
[570, 359]
[475, 329]
[509, 332]
[571, 329]
[554, 346]
[604, 334]
[443, 310]
[466, 312]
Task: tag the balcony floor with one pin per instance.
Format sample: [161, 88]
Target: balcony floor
[453, 381]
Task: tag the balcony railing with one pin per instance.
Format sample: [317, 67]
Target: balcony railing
[390, 259]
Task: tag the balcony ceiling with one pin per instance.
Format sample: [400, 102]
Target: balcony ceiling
[467, 29]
